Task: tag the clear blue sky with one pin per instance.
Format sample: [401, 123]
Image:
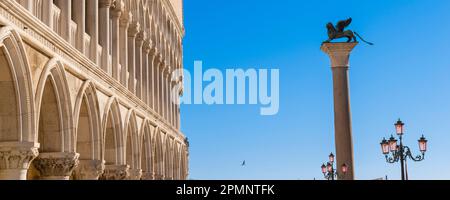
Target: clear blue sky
[406, 74]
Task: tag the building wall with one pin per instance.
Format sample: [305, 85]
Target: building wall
[89, 86]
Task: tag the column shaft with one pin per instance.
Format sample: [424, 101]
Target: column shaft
[124, 23]
[132, 31]
[339, 54]
[138, 67]
[104, 25]
[66, 15]
[116, 29]
[92, 28]
[79, 13]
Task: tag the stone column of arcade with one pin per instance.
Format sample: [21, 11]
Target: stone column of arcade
[339, 54]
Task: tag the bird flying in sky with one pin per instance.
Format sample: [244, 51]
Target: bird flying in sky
[243, 163]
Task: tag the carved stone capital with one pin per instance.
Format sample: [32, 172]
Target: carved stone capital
[339, 53]
[56, 166]
[105, 3]
[115, 172]
[15, 159]
[117, 8]
[159, 177]
[125, 19]
[140, 37]
[133, 29]
[135, 174]
[89, 170]
[148, 176]
[147, 45]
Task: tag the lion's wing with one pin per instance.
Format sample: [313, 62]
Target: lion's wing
[341, 25]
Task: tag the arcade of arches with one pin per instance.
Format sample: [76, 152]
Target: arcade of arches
[86, 89]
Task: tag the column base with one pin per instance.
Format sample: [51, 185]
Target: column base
[89, 170]
[15, 159]
[115, 172]
[56, 166]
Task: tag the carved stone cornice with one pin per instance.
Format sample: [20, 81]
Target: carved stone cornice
[115, 172]
[17, 155]
[59, 164]
[89, 170]
[135, 174]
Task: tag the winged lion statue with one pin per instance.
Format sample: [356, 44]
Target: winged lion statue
[338, 31]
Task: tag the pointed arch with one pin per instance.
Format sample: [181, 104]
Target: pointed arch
[131, 141]
[113, 142]
[88, 124]
[23, 112]
[52, 94]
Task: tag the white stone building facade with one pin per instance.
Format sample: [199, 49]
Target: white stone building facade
[85, 90]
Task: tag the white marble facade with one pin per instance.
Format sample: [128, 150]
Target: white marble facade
[85, 90]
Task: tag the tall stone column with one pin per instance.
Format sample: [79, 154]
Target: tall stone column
[56, 166]
[133, 29]
[66, 14]
[152, 78]
[92, 28]
[47, 12]
[145, 70]
[89, 170]
[103, 33]
[125, 19]
[339, 54]
[15, 159]
[79, 17]
[116, 12]
[138, 65]
[116, 172]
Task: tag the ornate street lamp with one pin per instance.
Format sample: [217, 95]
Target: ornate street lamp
[329, 172]
[400, 152]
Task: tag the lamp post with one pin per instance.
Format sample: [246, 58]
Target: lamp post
[399, 152]
[329, 172]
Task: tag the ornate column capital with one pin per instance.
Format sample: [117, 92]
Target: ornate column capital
[115, 172]
[117, 8]
[125, 19]
[159, 177]
[105, 3]
[140, 37]
[56, 166]
[17, 155]
[148, 176]
[339, 53]
[133, 29]
[147, 45]
[15, 159]
[89, 169]
[135, 174]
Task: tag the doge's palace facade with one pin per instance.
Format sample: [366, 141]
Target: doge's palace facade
[85, 89]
